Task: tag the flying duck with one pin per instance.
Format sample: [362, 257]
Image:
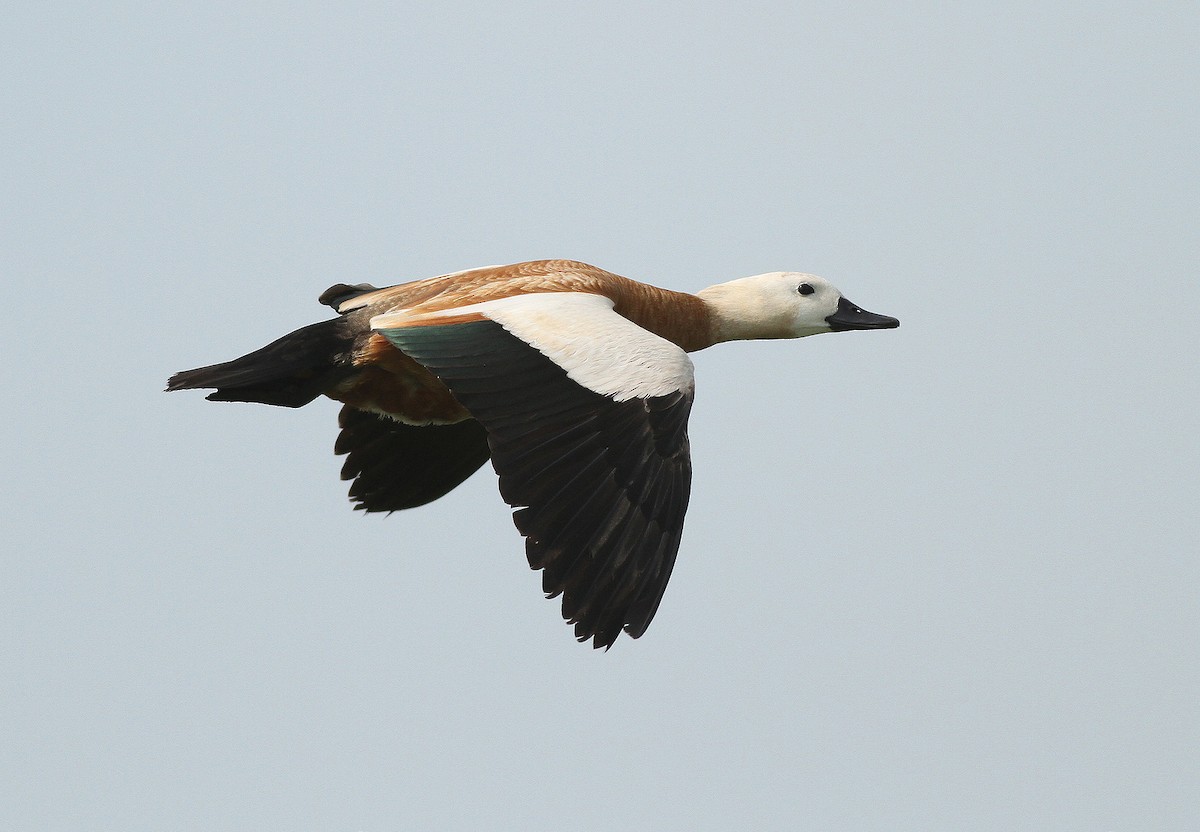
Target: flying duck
[575, 383]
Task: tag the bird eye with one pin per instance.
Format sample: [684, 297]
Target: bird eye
[805, 289]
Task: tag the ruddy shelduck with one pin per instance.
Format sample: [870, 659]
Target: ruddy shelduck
[575, 383]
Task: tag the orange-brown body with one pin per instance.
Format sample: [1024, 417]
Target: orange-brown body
[391, 383]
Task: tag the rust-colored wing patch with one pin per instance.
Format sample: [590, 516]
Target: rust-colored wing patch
[389, 382]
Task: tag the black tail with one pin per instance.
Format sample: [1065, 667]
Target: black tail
[290, 372]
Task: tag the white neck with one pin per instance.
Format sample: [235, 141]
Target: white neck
[740, 314]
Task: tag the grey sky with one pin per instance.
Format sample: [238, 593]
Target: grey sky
[943, 577]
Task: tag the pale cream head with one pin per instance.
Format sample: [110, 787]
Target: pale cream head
[772, 305]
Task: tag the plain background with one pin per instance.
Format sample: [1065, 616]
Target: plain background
[943, 577]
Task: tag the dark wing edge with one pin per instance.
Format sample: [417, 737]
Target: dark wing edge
[396, 466]
[600, 486]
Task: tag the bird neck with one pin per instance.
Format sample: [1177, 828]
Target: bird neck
[681, 318]
[737, 313]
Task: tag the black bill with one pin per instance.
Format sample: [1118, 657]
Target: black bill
[849, 316]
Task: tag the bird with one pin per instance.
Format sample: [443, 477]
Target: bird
[573, 381]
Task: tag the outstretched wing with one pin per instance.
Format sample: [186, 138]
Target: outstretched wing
[396, 466]
[586, 415]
